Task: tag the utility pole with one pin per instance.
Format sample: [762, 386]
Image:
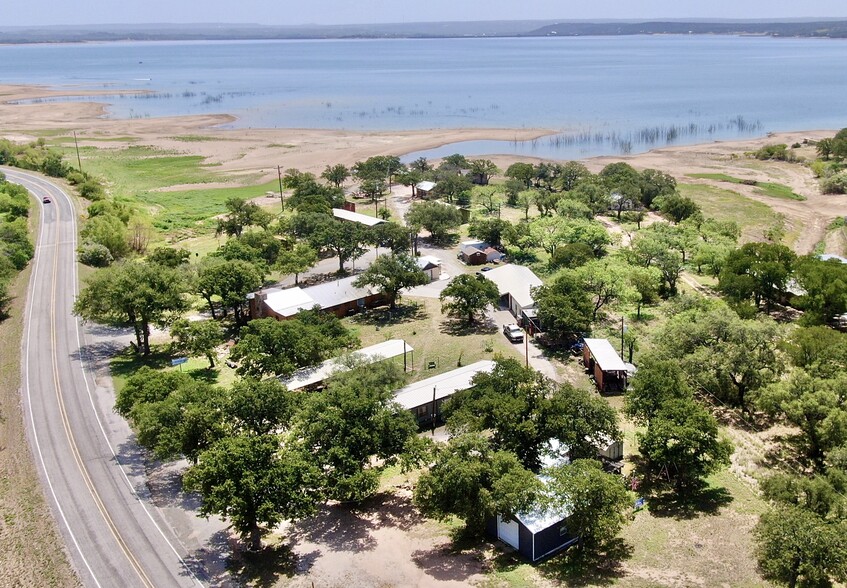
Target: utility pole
[78, 159]
[281, 197]
[434, 411]
[622, 332]
[526, 345]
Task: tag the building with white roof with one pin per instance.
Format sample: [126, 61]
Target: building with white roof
[340, 297]
[609, 370]
[429, 265]
[541, 531]
[515, 283]
[312, 377]
[425, 398]
[355, 217]
[424, 189]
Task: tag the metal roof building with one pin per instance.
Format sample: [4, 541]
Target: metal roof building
[419, 397]
[601, 359]
[515, 283]
[312, 376]
[338, 296]
[355, 217]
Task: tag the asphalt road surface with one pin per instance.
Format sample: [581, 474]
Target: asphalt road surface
[83, 451]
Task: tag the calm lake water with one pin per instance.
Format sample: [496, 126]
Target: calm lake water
[602, 94]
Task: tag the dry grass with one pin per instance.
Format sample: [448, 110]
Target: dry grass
[432, 335]
[30, 544]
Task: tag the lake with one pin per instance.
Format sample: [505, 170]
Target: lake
[601, 95]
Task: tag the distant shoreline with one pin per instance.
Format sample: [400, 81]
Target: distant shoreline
[827, 28]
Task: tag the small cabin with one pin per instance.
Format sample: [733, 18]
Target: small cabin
[603, 362]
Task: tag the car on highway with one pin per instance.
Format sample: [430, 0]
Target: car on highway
[513, 333]
[46, 200]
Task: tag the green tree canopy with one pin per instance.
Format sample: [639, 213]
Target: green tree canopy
[796, 548]
[657, 382]
[336, 174]
[681, 444]
[351, 422]
[391, 274]
[197, 338]
[523, 410]
[757, 270]
[490, 230]
[255, 484]
[259, 407]
[564, 308]
[391, 236]
[296, 260]
[721, 353]
[109, 231]
[597, 501]
[268, 347]
[470, 480]
[816, 406]
[230, 281]
[825, 284]
[345, 239]
[523, 172]
[468, 297]
[133, 294]
[241, 214]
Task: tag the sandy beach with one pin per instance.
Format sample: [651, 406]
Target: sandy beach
[256, 153]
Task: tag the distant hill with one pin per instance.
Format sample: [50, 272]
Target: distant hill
[822, 28]
[832, 28]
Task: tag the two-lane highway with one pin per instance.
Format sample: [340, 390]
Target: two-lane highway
[114, 536]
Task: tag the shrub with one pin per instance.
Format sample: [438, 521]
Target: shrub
[835, 184]
[94, 254]
[778, 152]
[91, 190]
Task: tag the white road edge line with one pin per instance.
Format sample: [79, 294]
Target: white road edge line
[85, 375]
[85, 372]
[32, 416]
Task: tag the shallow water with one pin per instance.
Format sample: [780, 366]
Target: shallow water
[602, 94]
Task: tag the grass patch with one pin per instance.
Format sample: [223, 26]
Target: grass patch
[183, 209]
[422, 325]
[770, 189]
[193, 138]
[138, 168]
[126, 363]
[726, 205]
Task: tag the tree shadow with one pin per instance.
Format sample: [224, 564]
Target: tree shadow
[449, 562]
[127, 361]
[391, 510]
[265, 567]
[666, 500]
[442, 242]
[209, 563]
[206, 375]
[165, 483]
[690, 503]
[460, 327]
[338, 527]
[599, 566]
[133, 459]
[383, 317]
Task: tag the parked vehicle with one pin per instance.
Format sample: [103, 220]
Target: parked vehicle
[513, 333]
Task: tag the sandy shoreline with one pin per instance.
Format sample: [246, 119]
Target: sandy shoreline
[252, 155]
[252, 151]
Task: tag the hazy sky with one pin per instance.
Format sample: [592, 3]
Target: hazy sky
[50, 12]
